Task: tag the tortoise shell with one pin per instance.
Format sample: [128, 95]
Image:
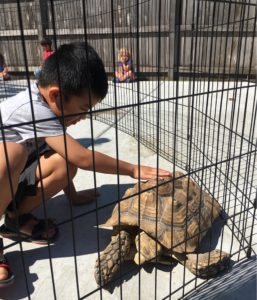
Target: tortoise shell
[169, 216]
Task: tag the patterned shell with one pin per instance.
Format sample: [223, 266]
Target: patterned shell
[186, 217]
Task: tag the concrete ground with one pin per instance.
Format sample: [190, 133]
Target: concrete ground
[65, 270]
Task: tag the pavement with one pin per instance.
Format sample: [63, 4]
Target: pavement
[65, 270]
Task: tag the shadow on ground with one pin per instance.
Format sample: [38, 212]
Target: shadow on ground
[86, 142]
[239, 283]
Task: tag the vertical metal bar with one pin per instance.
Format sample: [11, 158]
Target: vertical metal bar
[116, 137]
[177, 39]
[139, 138]
[84, 17]
[34, 127]
[158, 137]
[42, 18]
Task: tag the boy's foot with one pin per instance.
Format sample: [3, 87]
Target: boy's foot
[6, 276]
[84, 197]
[30, 229]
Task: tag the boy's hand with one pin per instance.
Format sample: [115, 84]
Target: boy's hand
[84, 197]
[81, 197]
[149, 172]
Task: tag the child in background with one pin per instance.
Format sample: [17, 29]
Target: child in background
[4, 75]
[72, 81]
[46, 44]
[125, 72]
[47, 48]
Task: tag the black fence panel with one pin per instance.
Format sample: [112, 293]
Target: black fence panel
[191, 109]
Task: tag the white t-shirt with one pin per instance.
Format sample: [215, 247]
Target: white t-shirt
[17, 119]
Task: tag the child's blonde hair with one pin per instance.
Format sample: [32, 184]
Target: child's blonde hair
[124, 51]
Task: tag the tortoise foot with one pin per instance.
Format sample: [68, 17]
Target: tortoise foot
[208, 264]
[148, 249]
[111, 258]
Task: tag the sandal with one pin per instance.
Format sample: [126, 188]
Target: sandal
[10, 231]
[4, 264]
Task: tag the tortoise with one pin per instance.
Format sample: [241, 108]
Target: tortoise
[170, 230]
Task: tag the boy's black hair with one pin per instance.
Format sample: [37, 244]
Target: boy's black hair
[45, 41]
[75, 68]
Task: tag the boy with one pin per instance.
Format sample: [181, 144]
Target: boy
[71, 82]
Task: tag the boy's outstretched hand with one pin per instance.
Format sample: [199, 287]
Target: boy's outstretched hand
[84, 197]
[149, 172]
[81, 197]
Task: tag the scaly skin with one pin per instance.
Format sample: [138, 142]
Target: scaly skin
[111, 258]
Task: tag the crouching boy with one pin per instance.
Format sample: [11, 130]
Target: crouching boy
[37, 157]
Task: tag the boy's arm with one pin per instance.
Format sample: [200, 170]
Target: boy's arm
[83, 159]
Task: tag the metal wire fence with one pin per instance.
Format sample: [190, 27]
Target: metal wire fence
[193, 105]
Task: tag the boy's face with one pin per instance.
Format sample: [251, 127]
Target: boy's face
[74, 105]
[78, 104]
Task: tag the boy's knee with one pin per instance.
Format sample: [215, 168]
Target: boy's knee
[21, 158]
[10, 169]
[62, 167]
[16, 158]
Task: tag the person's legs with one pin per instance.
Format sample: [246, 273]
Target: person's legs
[131, 76]
[17, 157]
[116, 80]
[6, 276]
[54, 179]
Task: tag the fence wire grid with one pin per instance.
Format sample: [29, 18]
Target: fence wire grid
[192, 108]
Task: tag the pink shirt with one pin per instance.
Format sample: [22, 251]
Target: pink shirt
[47, 53]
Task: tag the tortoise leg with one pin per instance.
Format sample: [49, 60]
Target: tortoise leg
[147, 248]
[208, 265]
[110, 258]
